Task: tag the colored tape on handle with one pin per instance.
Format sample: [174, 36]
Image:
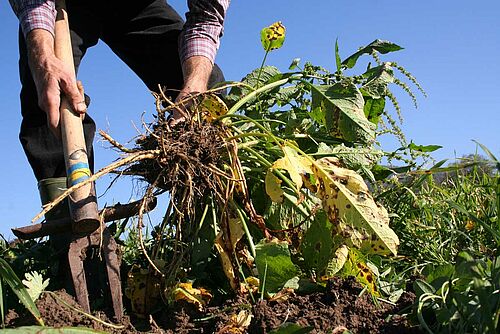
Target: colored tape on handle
[78, 172]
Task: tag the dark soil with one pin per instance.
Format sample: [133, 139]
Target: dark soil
[335, 309]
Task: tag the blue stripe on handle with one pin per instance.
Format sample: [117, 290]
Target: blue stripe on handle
[78, 165]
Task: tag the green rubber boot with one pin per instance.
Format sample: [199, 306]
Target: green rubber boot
[49, 190]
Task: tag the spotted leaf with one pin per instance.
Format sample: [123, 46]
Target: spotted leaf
[273, 37]
[349, 206]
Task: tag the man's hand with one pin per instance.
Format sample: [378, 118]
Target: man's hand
[52, 78]
[196, 71]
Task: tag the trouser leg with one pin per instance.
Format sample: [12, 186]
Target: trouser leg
[145, 36]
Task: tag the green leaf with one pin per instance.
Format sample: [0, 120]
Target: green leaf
[377, 80]
[421, 287]
[35, 284]
[10, 277]
[356, 158]
[373, 109]
[377, 45]
[424, 148]
[317, 244]
[290, 328]
[342, 105]
[280, 268]
[48, 330]
[338, 61]
[273, 37]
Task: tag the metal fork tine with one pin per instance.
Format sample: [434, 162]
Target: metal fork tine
[76, 257]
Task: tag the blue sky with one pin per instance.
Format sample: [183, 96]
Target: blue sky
[452, 47]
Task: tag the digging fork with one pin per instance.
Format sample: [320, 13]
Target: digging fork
[83, 203]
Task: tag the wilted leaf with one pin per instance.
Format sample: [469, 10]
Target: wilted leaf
[295, 165]
[143, 290]
[274, 256]
[212, 107]
[273, 187]
[197, 296]
[35, 284]
[227, 265]
[342, 105]
[273, 37]
[238, 323]
[377, 45]
[351, 209]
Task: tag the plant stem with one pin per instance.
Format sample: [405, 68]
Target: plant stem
[261, 67]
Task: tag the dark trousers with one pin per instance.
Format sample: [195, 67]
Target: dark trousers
[143, 34]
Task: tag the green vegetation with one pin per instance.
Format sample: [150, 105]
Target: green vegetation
[302, 193]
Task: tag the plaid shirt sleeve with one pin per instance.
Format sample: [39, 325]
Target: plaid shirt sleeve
[35, 14]
[203, 28]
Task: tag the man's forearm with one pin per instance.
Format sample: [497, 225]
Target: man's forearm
[196, 70]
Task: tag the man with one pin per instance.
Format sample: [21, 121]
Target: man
[148, 35]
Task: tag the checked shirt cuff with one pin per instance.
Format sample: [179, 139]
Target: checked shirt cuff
[37, 14]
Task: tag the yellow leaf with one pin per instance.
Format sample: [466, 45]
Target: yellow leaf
[227, 266]
[356, 266]
[295, 165]
[198, 296]
[350, 207]
[236, 231]
[212, 107]
[273, 187]
[143, 290]
[273, 37]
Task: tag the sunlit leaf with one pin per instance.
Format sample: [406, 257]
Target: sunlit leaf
[377, 45]
[337, 262]
[424, 148]
[294, 64]
[358, 219]
[273, 37]
[356, 266]
[197, 296]
[342, 105]
[295, 165]
[35, 284]
[291, 328]
[273, 187]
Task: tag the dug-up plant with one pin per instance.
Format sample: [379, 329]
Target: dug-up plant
[267, 182]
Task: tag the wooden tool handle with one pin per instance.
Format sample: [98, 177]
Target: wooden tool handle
[83, 202]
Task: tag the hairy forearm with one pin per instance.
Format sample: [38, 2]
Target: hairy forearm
[196, 70]
[40, 45]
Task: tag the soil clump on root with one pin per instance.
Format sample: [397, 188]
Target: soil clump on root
[188, 154]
